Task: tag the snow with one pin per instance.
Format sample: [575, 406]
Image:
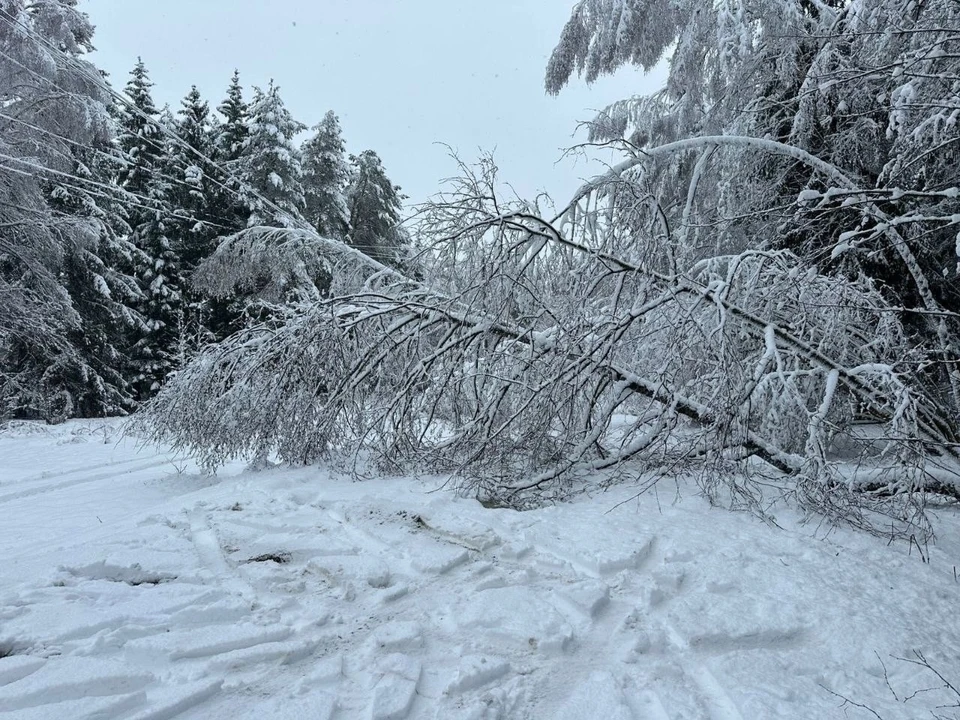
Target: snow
[133, 587]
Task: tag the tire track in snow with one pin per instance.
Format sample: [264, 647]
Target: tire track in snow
[718, 703]
[221, 638]
[359, 535]
[404, 676]
[598, 568]
[180, 701]
[652, 707]
[40, 689]
[376, 614]
[49, 475]
[55, 486]
[212, 558]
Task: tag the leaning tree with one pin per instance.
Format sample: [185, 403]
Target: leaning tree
[761, 290]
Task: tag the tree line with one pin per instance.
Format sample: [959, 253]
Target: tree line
[112, 208]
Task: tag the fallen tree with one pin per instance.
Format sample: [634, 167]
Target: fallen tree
[543, 354]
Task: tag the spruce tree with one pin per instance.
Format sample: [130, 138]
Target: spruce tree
[326, 176]
[100, 279]
[193, 193]
[140, 137]
[193, 198]
[64, 292]
[234, 129]
[375, 206]
[229, 137]
[257, 273]
[269, 163]
[226, 210]
[148, 174]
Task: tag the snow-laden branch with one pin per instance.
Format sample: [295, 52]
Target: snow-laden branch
[932, 425]
[760, 144]
[882, 224]
[531, 359]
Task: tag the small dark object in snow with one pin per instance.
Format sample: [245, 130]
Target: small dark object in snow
[7, 649]
[151, 580]
[280, 558]
[133, 575]
[495, 502]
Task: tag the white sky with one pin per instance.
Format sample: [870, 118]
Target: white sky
[402, 76]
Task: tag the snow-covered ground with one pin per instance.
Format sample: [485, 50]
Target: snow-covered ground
[132, 587]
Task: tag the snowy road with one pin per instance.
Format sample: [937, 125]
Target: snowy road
[133, 588]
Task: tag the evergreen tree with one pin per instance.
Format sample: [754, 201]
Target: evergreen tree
[229, 136]
[64, 291]
[375, 206]
[140, 137]
[149, 171]
[100, 279]
[193, 125]
[269, 163]
[193, 198]
[227, 211]
[234, 129]
[251, 273]
[193, 194]
[326, 175]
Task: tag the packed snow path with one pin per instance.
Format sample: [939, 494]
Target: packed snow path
[134, 588]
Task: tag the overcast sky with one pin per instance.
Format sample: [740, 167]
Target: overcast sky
[402, 75]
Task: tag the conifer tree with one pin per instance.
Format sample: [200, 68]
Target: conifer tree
[234, 129]
[375, 206]
[193, 192]
[64, 291]
[139, 137]
[147, 178]
[326, 176]
[260, 272]
[226, 212]
[193, 198]
[228, 140]
[100, 279]
[269, 162]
